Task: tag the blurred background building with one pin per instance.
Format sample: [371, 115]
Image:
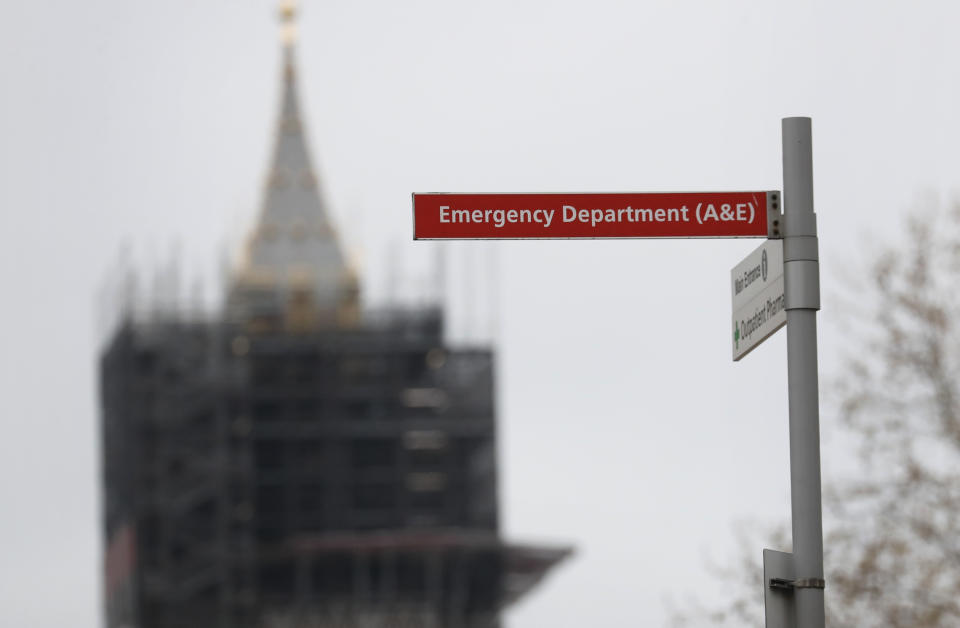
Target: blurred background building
[297, 460]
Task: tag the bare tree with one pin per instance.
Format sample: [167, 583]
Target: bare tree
[892, 512]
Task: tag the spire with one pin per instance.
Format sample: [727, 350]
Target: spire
[288, 23]
[294, 268]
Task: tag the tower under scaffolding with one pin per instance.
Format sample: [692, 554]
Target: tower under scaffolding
[296, 462]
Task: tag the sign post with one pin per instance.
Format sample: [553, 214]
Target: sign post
[802, 291]
[777, 284]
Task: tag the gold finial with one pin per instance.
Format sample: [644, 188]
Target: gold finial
[288, 21]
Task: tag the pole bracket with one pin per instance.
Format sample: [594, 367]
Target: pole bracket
[802, 583]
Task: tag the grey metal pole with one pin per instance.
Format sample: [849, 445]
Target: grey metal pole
[802, 294]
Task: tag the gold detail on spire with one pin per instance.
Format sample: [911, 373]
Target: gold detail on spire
[288, 22]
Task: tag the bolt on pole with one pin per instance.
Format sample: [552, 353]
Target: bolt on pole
[802, 295]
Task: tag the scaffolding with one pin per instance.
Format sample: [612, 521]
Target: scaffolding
[342, 477]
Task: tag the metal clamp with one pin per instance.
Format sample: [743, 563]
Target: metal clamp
[803, 583]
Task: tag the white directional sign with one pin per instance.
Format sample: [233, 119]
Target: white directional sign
[758, 303]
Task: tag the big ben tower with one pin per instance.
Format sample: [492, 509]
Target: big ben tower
[297, 462]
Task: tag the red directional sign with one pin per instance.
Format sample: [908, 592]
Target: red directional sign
[651, 215]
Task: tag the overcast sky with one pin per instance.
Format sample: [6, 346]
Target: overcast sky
[625, 428]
